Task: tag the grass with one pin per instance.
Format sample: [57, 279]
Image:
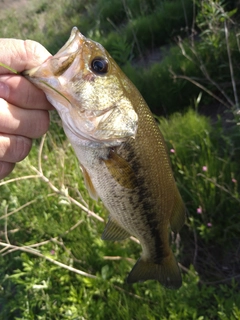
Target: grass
[53, 264]
[131, 34]
[57, 233]
[207, 171]
[134, 32]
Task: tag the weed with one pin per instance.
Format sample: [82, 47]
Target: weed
[53, 263]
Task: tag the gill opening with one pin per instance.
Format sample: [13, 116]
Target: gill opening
[48, 85]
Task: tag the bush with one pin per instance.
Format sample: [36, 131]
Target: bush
[53, 264]
[205, 162]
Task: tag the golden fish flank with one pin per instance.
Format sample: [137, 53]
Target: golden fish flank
[121, 151]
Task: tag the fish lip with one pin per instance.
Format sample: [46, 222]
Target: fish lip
[74, 33]
[66, 49]
[73, 44]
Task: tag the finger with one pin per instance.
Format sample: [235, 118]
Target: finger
[19, 91]
[21, 55]
[14, 148]
[5, 169]
[28, 123]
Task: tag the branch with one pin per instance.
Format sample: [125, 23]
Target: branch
[37, 253]
[18, 209]
[63, 192]
[231, 65]
[199, 86]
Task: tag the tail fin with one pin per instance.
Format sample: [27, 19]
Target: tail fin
[167, 273]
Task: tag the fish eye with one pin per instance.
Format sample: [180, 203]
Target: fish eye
[99, 65]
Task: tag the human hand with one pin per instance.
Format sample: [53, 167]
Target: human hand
[23, 107]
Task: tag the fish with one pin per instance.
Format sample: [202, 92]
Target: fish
[121, 151]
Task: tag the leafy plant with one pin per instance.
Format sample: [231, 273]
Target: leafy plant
[205, 162]
[53, 264]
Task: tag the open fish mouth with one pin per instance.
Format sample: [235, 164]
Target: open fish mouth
[91, 104]
[122, 153]
[75, 33]
[70, 49]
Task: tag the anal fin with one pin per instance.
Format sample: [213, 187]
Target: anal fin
[114, 232]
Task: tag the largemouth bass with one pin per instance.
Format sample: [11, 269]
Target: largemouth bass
[121, 151]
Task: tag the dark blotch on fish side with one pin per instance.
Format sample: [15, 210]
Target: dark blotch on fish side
[145, 201]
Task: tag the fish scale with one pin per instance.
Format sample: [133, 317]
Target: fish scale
[121, 151]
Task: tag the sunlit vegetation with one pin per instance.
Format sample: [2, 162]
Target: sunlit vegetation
[183, 57]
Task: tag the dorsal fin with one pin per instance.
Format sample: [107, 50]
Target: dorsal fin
[178, 215]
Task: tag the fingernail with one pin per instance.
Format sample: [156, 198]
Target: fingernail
[4, 90]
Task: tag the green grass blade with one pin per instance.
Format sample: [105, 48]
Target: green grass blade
[8, 68]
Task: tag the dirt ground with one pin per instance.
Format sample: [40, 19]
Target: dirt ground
[8, 4]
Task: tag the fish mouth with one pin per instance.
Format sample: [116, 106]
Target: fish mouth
[62, 60]
[75, 33]
[47, 76]
[62, 77]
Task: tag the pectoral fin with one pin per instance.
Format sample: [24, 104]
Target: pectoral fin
[120, 170]
[114, 232]
[177, 219]
[89, 185]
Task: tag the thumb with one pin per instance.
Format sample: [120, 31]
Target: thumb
[21, 55]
